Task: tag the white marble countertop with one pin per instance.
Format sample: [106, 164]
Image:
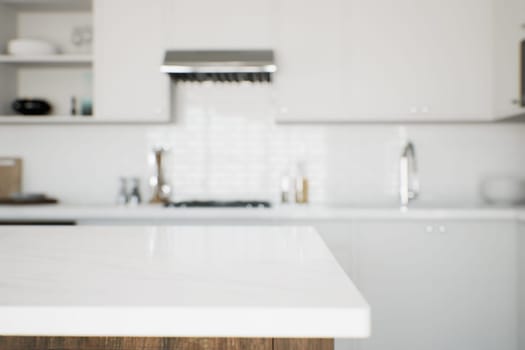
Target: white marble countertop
[175, 281]
[280, 213]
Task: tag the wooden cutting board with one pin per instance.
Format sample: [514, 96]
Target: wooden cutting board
[10, 176]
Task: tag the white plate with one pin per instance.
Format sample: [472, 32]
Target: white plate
[25, 47]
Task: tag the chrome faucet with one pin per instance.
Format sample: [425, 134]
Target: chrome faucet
[408, 180]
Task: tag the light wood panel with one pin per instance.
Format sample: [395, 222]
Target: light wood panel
[303, 344]
[153, 343]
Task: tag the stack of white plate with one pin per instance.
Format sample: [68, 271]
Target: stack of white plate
[30, 47]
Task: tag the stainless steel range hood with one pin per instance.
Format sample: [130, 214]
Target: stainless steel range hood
[220, 65]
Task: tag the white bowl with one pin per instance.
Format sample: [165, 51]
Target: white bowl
[503, 190]
[26, 47]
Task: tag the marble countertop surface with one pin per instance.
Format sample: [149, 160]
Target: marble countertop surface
[103, 214]
[175, 281]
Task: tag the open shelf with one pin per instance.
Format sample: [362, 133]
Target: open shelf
[47, 119]
[47, 59]
[55, 78]
[71, 120]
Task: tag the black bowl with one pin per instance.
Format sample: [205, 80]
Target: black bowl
[31, 106]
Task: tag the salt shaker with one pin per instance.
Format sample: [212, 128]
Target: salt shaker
[122, 196]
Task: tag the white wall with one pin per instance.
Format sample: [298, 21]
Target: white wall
[233, 149]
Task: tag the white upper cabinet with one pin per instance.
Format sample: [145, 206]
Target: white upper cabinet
[420, 60]
[509, 31]
[129, 48]
[380, 80]
[226, 24]
[309, 46]
[338, 60]
[405, 60]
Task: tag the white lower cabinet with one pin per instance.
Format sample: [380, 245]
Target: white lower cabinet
[438, 285]
[338, 238]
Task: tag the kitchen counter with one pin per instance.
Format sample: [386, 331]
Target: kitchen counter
[175, 282]
[113, 214]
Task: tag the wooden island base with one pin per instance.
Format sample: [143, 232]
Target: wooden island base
[131, 343]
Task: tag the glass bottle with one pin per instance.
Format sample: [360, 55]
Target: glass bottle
[301, 184]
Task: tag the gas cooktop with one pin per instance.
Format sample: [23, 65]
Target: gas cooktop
[219, 204]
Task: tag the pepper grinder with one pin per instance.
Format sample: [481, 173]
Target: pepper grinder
[286, 189]
[161, 190]
[134, 197]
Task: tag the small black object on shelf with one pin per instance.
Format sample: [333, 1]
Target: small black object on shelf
[27, 106]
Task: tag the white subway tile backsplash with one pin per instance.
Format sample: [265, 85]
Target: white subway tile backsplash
[234, 149]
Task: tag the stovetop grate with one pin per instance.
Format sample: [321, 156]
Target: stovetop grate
[219, 204]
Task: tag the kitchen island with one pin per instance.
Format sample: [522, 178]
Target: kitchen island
[174, 287]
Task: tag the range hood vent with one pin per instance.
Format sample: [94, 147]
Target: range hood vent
[220, 65]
